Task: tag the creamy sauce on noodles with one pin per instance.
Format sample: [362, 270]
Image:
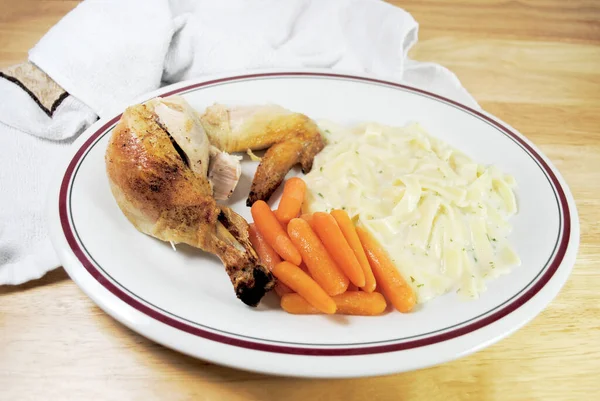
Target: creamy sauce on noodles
[442, 217]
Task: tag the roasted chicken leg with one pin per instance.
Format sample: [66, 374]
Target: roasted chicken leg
[291, 138]
[157, 163]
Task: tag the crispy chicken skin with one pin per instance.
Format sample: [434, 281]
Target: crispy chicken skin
[291, 138]
[162, 196]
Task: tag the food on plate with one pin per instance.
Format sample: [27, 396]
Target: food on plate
[157, 162]
[386, 209]
[291, 200]
[386, 274]
[442, 218]
[349, 231]
[349, 303]
[300, 282]
[332, 237]
[319, 262]
[274, 234]
[290, 138]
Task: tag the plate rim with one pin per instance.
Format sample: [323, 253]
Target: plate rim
[569, 212]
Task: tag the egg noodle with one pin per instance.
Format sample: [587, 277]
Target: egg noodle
[442, 218]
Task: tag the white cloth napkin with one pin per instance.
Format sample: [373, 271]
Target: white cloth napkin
[107, 52]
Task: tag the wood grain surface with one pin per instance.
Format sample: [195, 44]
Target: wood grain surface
[535, 64]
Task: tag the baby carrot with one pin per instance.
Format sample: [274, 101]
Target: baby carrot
[349, 303]
[320, 264]
[268, 225]
[332, 237]
[291, 200]
[267, 255]
[349, 231]
[297, 280]
[360, 303]
[296, 305]
[388, 278]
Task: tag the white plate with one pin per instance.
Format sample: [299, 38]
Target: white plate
[184, 299]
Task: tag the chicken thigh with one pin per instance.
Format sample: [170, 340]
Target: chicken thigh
[157, 163]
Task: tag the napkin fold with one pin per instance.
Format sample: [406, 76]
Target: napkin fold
[105, 53]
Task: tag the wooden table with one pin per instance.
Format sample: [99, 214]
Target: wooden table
[534, 64]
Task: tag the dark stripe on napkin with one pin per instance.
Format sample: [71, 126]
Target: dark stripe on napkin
[46, 93]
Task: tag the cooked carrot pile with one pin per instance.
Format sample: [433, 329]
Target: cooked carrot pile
[323, 263]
